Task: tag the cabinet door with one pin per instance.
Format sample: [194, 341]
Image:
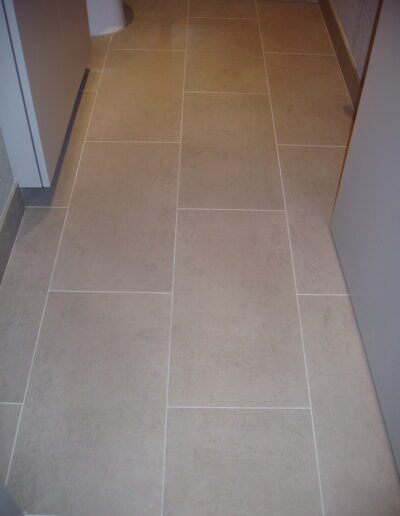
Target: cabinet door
[366, 221]
[51, 63]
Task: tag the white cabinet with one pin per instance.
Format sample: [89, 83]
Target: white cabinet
[50, 43]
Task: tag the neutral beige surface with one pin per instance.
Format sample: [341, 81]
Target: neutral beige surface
[240, 462]
[120, 235]
[97, 404]
[311, 178]
[140, 97]
[99, 46]
[22, 296]
[9, 415]
[92, 435]
[223, 8]
[224, 55]
[159, 24]
[357, 469]
[282, 30]
[311, 105]
[236, 337]
[229, 159]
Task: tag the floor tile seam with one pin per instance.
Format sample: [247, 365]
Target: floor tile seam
[238, 407]
[147, 142]
[309, 54]
[133, 49]
[228, 18]
[52, 273]
[163, 475]
[127, 292]
[294, 273]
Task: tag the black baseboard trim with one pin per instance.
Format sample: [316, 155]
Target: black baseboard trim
[9, 224]
[343, 53]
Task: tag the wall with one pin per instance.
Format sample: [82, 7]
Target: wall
[6, 179]
[357, 19]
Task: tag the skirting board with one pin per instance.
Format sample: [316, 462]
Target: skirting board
[342, 51]
[10, 220]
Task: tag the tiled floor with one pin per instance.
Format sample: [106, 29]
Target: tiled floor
[176, 337]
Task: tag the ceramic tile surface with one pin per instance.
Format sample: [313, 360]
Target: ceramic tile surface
[157, 329]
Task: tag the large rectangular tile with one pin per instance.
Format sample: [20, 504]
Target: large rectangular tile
[296, 27]
[91, 439]
[311, 177]
[9, 415]
[120, 229]
[22, 296]
[241, 462]
[223, 8]
[156, 25]
[225, 55]
[235, 338]
[229, 168]
[140, 97]
[357, 470]
[99, 46]
[59, 193]
[309, 99]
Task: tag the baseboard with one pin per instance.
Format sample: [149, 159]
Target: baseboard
[10, 220]
[343, 53]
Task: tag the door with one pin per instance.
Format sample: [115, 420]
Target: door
[366, 220]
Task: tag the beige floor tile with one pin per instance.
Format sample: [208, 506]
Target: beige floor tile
[235, 330]
[159, 24]
[228, 153]
[225, 55]
[311, 178]
[120, 229]
[357, 470]
[140, 97]
[99, 45]
[91, 440]
[223, 8]
[59, 193]
[22, 296]
[241, 462]
[9, 415]
[293, 27]
[310, 102]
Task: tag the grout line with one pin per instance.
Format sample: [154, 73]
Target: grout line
[173, 266]
[316, 54]
[294, 274]
[65, 291]
[312, 145]
[301, 294]
[184, 407]
[228, 209]
[52, 274]
[147, 49]
[29, 207]
[133, 141]
[222, 18]
[227, 92]
[10, 402]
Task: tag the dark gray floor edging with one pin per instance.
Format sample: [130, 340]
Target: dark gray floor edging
[9, 224]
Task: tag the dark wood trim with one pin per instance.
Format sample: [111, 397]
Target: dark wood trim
[11, 220]
[343, 53]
